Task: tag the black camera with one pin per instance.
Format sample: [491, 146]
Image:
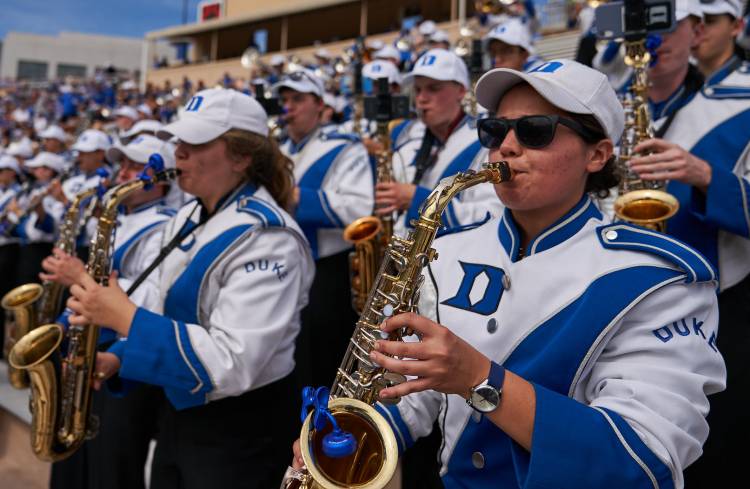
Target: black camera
[634, 19]
[384, 107]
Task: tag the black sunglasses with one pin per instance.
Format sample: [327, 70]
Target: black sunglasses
[532, 131]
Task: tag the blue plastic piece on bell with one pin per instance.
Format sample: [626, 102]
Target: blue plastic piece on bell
[155, 163]
[308, 401]
[339, 444]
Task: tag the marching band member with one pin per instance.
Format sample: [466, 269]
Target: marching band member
[722, 23]
[703, 149]
[38, 226]
[9, 188]
[440, 143]
[510, 46]
[334, 187]
[233, 279]
[575, 353]
[54, 140]
[116, 456]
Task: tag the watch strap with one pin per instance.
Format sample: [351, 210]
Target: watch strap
[497, 376]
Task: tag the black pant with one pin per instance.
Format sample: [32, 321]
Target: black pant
[238, 442]
[327, 322]
[727, 419]
[8, 278]
[30, 262]
[116, 457]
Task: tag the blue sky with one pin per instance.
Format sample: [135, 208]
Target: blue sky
[131, 18]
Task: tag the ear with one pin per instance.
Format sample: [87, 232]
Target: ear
[242, 164]
[738, 26]
[599, 154]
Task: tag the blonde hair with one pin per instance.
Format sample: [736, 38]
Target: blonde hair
[268, 166]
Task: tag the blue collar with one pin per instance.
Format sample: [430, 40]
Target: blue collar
[295, 148]
[245, 189]
[726, 69]
[560, 231]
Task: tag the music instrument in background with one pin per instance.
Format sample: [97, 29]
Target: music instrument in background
[642, 202]
[344, 441]
[61, 393]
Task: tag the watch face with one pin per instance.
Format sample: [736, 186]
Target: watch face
[485, 399]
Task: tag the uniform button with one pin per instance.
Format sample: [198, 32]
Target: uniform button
[477, 459]
[611, 235]
[709, 91]
[492, 325]
[506, 282]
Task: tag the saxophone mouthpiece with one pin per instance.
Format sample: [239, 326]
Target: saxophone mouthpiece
[505, 173]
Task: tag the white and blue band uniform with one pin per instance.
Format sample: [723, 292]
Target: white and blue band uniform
[221, 341]
[9, 247]
[614, 325]
[460, 152]
[336, 187]
[713, 125]
[127, 422]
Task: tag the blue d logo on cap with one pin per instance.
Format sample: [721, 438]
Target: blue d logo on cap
[194, 103]
[549, 67]
[428, 60]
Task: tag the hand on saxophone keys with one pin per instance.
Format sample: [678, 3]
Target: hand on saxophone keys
[95, 304]
[664, 160]
[107, 365]
[393, 196]
[441, 361]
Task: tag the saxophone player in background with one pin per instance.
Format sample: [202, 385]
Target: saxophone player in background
[10, 172]
[116, 456]
[234, 275]
[574, 353]
[703, 151]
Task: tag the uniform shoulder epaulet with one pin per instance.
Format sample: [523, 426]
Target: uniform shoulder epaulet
[622, 236]
[333, 136]
[396, 131]
[166, 211]
[267, 213]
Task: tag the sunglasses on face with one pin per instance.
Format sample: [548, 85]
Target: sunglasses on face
[532, 131]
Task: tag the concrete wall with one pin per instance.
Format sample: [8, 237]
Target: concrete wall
[91, 51]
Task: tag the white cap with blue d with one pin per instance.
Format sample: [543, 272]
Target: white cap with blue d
[442, 65]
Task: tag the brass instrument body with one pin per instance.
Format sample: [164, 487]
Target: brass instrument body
[61, 397]
[642, 202]
[371, 234]
[20, 304]
[51, 301]
[359, 380]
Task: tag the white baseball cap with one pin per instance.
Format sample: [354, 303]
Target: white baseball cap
[683, 8]
[303, 81]
[427, 27]
[148, 126]
[388, 52]
[717, 7]
[7, 161]
[92, 140]
[141, 148]
[214, 111]
[21, 148]
[382, 69]
[440, 64]
[50, 160]
[126, 111]
[330, 100]
[439, 36]
[512, 32]
[277, 59]
[566, 84]
[375, 44]
[54, 132]
[145, 110]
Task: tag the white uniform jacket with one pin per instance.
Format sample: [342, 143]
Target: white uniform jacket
[460, 152]
[714, 127]
[33, 229]
[336, 187]
[6, 196]
[230, 300]
[614, 325]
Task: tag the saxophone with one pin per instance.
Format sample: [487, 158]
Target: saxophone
[371, 234]
[642, 202]
[61, 398]
[50, 302]
[359, 380]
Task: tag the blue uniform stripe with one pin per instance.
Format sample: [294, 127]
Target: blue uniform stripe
[263, 211]
[123, 249]
[551, 355]
[399, 426]
[182, 299]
